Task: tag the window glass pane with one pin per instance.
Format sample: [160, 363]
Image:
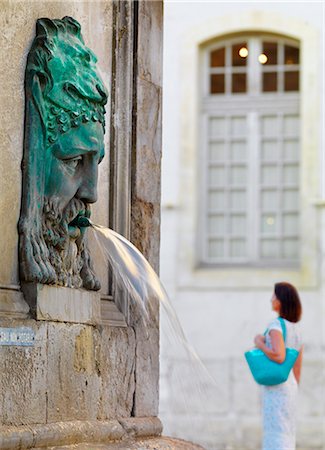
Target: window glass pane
[270, 81]
[291, 81]
[217, 176]
[238, 126]
[270, 150]
[269, 223]
[237, 247]
[238, 175]
[291, 174]
[216, 248]
[238, 224]
[290, 249]
[270, 125]
[270, 200]
[216, 151]
[291, 55]
[291, 125]
[238, 200]
[291, 149]
[238, 151]
[216, 224]
[217, 83]
[270, 248]
[291, 198]
[238, 82]
[270, 174]
[217, 57]
[217, 200]
[270, 50]
[290, 223]
[217, 126]
[239, 54]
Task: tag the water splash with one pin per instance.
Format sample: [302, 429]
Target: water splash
[134, 274]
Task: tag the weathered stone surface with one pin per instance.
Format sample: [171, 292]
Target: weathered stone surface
[142, 426]
[145, 207]
[149, 44]
[73, 378]
[116, 367]
[81, 373]
[12, 303]
[23, 377]
[62, 304]
[146, 397]
[60, 433]
[162, 443]
[72, 433]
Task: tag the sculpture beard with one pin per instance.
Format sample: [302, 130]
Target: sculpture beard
[68, 252]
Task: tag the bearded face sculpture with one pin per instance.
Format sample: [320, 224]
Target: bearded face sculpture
[63, 145]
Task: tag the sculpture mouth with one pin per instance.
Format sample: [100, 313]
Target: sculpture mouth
[81, 220]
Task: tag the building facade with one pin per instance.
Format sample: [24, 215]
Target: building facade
[242, 205]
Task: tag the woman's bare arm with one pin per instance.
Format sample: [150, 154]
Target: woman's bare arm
[277, 352]
[297, 366]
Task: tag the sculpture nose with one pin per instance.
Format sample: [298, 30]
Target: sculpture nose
[87, 191]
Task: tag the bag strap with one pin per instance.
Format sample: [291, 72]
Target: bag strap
[283, 326]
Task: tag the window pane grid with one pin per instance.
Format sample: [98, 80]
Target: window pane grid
[279, 221]
[283, 74]
[229, 164]
[227, 188]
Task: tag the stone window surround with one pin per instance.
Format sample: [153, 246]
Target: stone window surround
[195, 275]
[244, 105]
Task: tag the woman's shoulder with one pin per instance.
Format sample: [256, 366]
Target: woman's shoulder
[274, 325]
[293, 325]
[294, 333]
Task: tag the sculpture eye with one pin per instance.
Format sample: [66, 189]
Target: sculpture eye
[73, 162]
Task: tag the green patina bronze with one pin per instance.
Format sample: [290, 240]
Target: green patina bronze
[63, 145]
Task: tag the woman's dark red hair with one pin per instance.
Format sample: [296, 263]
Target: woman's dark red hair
[290, 302]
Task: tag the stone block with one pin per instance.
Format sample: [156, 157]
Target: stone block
[148, 142]
[150, 48]
[146, 368]
[116, 367]
[62, 304]
[142, 426]
[73, 377]
[23, 377]
[12, 303]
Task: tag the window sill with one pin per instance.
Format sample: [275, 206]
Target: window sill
[238, 277]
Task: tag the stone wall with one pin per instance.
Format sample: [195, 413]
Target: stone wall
[78, 381]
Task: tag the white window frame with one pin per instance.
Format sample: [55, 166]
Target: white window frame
[249, 104]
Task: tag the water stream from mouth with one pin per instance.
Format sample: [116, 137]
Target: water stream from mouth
[134, 274]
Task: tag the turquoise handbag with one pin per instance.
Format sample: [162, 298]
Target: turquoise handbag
[268, 372]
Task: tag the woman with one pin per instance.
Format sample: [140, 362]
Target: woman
[279, 401]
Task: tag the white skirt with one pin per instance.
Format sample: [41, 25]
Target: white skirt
[279, 405]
